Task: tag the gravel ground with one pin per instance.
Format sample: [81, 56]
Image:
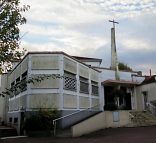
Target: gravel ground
[116, 135]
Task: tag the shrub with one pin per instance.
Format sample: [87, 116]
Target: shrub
[43, 120]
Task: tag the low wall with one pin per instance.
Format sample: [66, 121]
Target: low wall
[102, 120]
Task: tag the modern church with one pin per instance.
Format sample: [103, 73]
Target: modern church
[81, 89]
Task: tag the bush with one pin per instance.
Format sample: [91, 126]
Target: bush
[110, 107]
[43, 120]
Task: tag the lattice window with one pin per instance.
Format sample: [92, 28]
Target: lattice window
[69, 81]
[24, 82]
[84, 85]
[17, 90]
[95, 88]
[12, 89]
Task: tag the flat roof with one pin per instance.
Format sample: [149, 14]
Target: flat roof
[87, 59]
[54, 52]
[111, 82]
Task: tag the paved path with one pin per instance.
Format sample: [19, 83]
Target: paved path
[118, 135]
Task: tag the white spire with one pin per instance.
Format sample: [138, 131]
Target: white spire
[114, 59]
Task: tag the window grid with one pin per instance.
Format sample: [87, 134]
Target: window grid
[70, 81]
[84, 85]
[95, 88]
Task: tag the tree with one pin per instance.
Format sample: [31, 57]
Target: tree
[10, 19]
[124, 67]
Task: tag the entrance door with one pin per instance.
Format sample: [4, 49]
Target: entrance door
[145, 99]
[128, 101]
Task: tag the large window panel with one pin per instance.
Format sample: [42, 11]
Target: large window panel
[95, 88]
[84, 85]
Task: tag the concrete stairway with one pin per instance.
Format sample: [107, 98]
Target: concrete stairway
[142, 118]
[7, 131]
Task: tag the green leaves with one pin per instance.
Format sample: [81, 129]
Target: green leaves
[10, 19]
[23, 83]
[125, 67]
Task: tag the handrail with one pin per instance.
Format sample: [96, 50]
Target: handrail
[55, 120]
[131, 115]
[151, 105]
[151, 108]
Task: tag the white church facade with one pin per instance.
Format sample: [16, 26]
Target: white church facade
[80, 86]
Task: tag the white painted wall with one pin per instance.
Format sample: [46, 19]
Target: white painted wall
[100, 121]
[151, 93]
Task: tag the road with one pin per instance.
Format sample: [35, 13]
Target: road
[116, 135]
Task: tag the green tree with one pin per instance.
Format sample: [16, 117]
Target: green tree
[10, 19]
[123, 66]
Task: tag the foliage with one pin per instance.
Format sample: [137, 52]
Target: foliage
[10, 19]
[123, 66]
[43, 120]
[22, 84]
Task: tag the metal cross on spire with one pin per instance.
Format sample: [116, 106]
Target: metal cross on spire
[114, 22]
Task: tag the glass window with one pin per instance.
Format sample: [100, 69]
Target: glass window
[23, 85]
[95, 88]
[84, 85]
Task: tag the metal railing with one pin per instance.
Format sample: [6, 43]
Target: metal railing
[151, 108]
[74, 113]
[131, 117]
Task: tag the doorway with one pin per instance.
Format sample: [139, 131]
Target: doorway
[145, 99]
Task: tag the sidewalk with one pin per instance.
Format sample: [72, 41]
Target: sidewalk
[117, 135]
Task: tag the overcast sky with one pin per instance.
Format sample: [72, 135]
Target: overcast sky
[81, 28]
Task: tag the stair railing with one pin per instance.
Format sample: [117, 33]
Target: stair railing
[151, 108]
[69, 115]
[131, 117]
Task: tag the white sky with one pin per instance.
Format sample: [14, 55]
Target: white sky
[81, 27]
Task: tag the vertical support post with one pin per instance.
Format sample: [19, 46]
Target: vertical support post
[54, 123]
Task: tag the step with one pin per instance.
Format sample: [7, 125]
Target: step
[7, 132]
[143, 118]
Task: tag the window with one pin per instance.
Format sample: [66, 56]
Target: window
[12, 84]
[84, 86]
[15, 120]
[12, 89]
[95, 88]
[24, 82]
[17, 89]
[10, 120]
[69, 81]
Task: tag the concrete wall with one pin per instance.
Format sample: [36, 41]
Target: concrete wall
[46, 83]
[84, 71]
[94, 75]
[110, 74]
[45, 62]
[70, 65]
[3, 100]
[17, 102]
[84, 102]
[100, 121]
[139, 97]
[2, 105]
[69, 101]
[18, 71]
[151, 94]
[43, 101]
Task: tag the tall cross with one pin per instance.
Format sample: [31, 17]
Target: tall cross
[114, 22]
[114, 58]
